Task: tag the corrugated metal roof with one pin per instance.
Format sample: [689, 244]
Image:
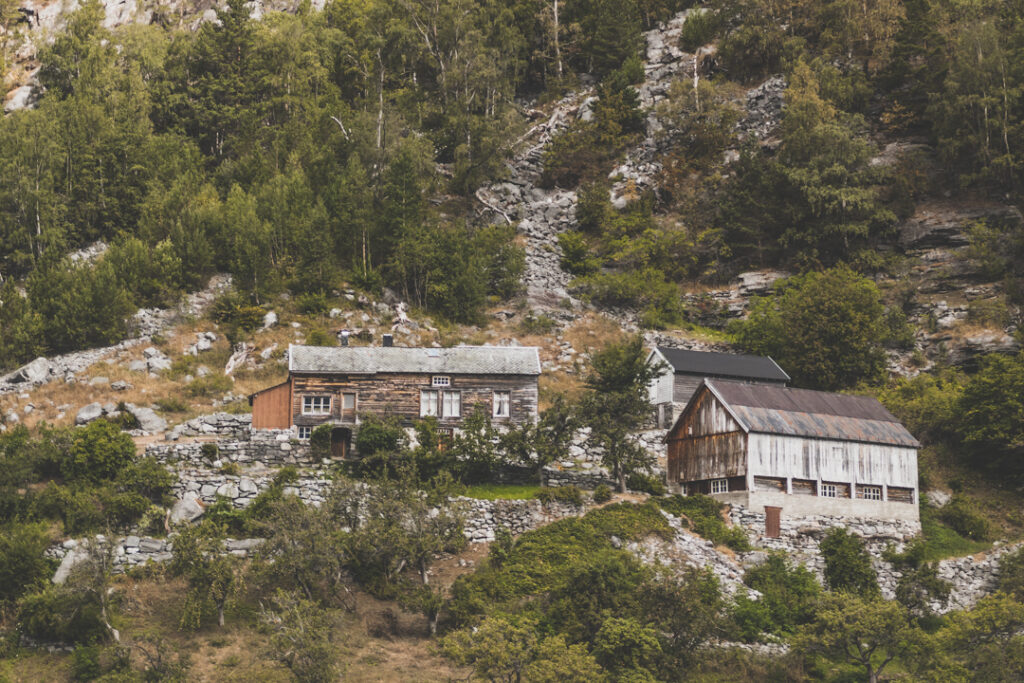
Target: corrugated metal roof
[714, 364]
[457, 360]
[817, 414]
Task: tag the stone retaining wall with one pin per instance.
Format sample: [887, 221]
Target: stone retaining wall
[971, 577]
[217, 424]
[267, 446]
[584, 479]
[485, 517]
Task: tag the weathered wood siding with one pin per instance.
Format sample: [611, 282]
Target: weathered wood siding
[660, 389]
[684, 386]
[826, 460]
[706, 443]
[271, 409]
[399, 395]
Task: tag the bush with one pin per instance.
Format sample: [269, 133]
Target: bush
[313, 303]
[22, 564]
[647, 483]
[209, 451]
[561, 494]
[602, 494]
[788, 595]
[538, 324]
[1011, 574]
[172, 404]
[320, 442]
[210, 386]
[705, 516]
[98, 452]
[378, 435]
[57, 615]
[576, 256]
[318, 336]
[962, 515]
[847, 564]
[85, 663]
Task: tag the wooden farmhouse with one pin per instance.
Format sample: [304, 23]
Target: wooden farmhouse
[777, 450]
[685, 370]
[341, 385]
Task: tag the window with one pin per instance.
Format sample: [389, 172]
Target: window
[828, 490]
[304, 432]
[440, 381]
[316, 405]
[502, 403]
[348, 407]
[870, 492]
[719, 486]
[440, 403]
[428, 404]
[452, 404]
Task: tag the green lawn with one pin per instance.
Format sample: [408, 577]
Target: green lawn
[941, 542]
[502, 491]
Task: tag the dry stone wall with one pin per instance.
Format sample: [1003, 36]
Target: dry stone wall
[265, 446]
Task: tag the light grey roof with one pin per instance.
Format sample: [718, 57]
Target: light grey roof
[815, 414]
[457, 360]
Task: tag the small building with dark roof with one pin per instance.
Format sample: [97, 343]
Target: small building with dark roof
[340, 386]
[797, 451]
[685, 370]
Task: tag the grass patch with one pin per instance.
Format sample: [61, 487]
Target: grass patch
[941, 542]
[502, 491]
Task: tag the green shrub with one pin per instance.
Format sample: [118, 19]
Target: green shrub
[148, 477]
[1011, 573]
[705, 516]
[320, 442]
[85, 663]
[962, 515]
[209, 451]
[56, 615]
[847, 564]
[23, 567]
[789, 595]
[602, 494]
[312, 303]
[538, 324]
[318, 336]
[231, 468]
[576, 256]
[570, 495]
[378, 435]
[98, 452]
[647, 483]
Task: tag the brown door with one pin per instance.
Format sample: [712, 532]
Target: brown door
[772, 521]
[340, 438]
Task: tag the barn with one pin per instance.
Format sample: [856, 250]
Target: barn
[686, 369]
[340, 386]
[805, 452]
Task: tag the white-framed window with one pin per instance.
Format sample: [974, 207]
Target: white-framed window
[828, 491]
[719, 486]
[871, 492]
[316, 405]
[428, 404]
[451, 404]
[440, 381]
[502, 403]
[305, 432]
[440, 403]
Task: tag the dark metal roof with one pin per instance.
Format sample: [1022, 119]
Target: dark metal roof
[457, 360]
[772, 409]
[714, 364]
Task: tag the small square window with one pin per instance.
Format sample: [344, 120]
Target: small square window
[440, 381]
[871, 492]
[828, 490]
[316, 405]
[719, 486]
[502, 403]
[304, 432]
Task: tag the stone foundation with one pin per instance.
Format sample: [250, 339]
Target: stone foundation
[266, 446]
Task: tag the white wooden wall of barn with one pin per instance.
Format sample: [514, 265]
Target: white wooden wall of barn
[772, 455]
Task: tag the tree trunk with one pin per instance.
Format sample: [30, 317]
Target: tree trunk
[432, 624]
[220, 614]
[620, 474]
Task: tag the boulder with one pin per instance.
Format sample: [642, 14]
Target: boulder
[269, 320]
[87, 414]
[149, 421]
[98, 381]
[75, 556]
[137, 366]
[937, 498]
[120, 385]
[187, 509]
[36, 371]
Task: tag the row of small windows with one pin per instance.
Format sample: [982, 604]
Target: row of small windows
[825, 490]
[432, 403]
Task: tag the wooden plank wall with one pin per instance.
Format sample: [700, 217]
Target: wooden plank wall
[707, 443]
[271, 408]
[399, 395]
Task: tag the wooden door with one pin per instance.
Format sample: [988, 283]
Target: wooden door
[339, 442]
[772, 521]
